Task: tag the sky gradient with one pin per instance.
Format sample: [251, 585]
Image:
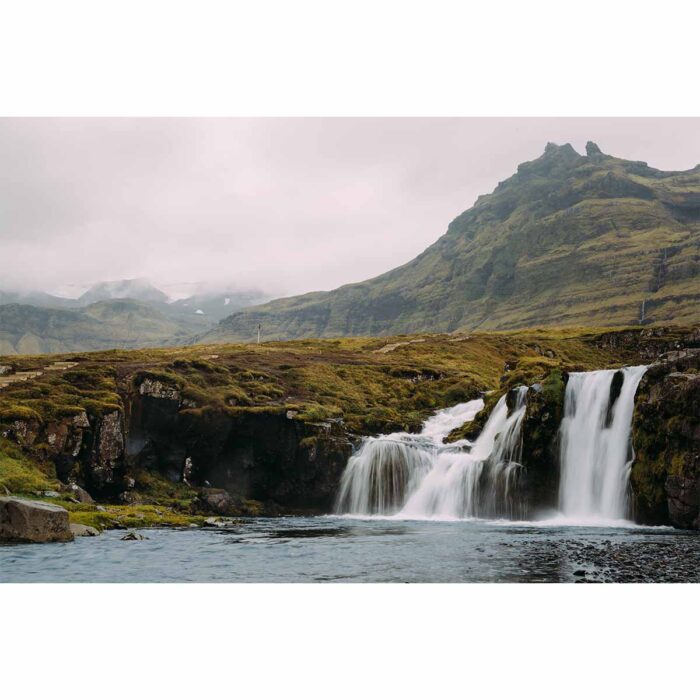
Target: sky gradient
[283, 205]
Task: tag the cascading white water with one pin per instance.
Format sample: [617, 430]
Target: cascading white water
[388, 468]
[417, 476]
[596, 454]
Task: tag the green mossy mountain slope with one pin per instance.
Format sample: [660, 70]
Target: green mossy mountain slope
[567, 240]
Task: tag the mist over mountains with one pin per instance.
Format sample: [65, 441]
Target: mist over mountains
[116, 314]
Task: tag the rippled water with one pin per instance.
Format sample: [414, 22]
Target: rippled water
[353, 550]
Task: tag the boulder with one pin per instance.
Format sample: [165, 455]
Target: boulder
[33, 521]
[221, 522]
[83, 530]
[215, 500]
[80, 494]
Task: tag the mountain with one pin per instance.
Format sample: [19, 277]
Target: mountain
[138, 289]
[34, 298]
[122, 314]
[568, 240]
[123, 323]
[218, 305]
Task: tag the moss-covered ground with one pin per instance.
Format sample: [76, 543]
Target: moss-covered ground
[368, 382]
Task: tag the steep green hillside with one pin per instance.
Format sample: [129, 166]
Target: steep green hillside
[567, 240]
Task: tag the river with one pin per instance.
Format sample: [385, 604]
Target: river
[341, 549]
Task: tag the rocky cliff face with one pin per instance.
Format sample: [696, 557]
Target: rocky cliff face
[540, 436]
[263, 455]
[666, 430]
[84, 449]
[266, 455]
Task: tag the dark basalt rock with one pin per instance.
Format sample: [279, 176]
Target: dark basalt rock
[215, 501]
[540, 444]
[262, 455]
[86, 451]
[665, 478]
[615, 389]
[106, 457]
[683, 497]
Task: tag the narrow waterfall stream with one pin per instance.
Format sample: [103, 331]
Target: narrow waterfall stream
[417, 476]
[596, 450]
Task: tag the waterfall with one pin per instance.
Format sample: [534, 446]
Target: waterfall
[417, 476]
[596, 451]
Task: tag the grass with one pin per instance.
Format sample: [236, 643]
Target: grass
[352, 379]
[131, 516]
[22, 475]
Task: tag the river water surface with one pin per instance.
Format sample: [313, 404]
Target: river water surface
[336, 548]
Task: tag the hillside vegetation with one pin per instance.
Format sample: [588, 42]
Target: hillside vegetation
[588, 240]
[372, 385]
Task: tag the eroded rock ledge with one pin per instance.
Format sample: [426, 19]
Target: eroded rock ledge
[666, 433]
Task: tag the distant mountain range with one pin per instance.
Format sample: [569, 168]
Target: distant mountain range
[139, 289]
[120, 314]
[569, 239]
[218, 305]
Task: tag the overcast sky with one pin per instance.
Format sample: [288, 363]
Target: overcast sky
[284, 205]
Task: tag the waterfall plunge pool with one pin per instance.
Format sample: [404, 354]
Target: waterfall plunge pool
[340, 549]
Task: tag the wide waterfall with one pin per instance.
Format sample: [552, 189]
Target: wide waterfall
[596, 451]
[417, 476]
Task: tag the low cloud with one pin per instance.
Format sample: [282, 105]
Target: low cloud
[285, 205]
